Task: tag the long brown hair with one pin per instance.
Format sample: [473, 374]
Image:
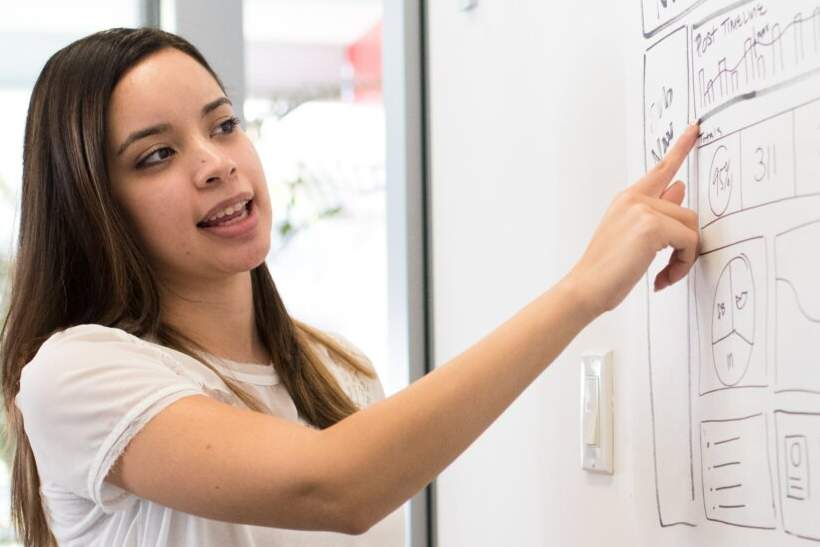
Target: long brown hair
[78, 262]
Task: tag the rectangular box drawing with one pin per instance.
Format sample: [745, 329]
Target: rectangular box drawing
[658, 14]
[719, 179]
[796, 472]
[797, 331]
[807, 148]
[764, 162]
[798, 459]
[666, 110]
[753, 48]
[737, 476]
[767, 153]
[665, 94]
[730, 290]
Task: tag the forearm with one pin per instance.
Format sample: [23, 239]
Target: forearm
[389, 451]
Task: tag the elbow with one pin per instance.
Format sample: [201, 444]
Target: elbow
[333, 508]
[357, 523]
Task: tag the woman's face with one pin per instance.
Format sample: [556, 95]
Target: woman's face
[185, 173]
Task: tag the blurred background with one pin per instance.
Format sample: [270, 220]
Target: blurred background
[313, 106]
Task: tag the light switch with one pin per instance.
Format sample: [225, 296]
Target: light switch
[591, 413]
[596, 411]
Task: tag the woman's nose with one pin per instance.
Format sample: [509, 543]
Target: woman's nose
[214, 165]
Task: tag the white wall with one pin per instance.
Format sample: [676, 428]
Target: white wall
[535, 125]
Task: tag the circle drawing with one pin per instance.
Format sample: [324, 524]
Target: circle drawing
[720, 181]
[733, 321]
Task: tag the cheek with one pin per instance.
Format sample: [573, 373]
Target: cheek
[251, 165]
[161, 221]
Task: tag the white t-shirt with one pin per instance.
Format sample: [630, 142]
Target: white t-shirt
[90, 389]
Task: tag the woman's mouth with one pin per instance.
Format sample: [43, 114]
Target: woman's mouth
[228, 216]
[239, 222]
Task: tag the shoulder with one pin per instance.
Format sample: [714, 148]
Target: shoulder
[361, 389]
[75, 360]
[86, 344]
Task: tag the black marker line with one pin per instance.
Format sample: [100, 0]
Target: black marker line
[718, 13]
[798, 227]
[758, 206]
[760, 121]
[745, 340]
[728, 487]
[716, 249]
[725, 387]
[797, 299]
[726, 420]
[668, 23]
[750, 526]
[727, 464]
[652, 396]
[732, 506]
[726, 441]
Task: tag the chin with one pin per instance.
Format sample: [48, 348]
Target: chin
[254, 257]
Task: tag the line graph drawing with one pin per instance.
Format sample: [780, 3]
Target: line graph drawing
[797, 336]
[751, 48]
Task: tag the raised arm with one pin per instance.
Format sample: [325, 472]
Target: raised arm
[207, 458]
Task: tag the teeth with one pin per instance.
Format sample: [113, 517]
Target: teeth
[231, 209]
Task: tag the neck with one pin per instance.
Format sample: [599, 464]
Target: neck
[218, 315]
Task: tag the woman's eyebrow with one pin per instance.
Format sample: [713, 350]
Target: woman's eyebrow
[162, 127]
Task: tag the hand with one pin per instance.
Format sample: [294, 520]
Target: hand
[641, 221]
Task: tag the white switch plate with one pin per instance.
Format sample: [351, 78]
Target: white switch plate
[597, 430]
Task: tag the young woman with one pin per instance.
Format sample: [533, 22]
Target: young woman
[157, 389]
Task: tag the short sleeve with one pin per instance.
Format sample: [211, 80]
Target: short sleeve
[84, 396]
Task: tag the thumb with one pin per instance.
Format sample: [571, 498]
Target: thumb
[675, 193]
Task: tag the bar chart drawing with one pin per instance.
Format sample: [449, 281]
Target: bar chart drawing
[757, 53]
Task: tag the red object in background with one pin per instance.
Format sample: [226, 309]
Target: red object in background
[365, 56]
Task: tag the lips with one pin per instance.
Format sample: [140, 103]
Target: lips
[210, 218]
[243, 211]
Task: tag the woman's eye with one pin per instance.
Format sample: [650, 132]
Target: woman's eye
[159, 155]
[229, 125]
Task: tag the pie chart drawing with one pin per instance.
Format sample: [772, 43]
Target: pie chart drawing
[733, 321]
[720, 181]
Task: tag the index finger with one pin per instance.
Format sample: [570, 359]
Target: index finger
[657, 179]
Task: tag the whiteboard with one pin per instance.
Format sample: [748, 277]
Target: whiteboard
[734, 352]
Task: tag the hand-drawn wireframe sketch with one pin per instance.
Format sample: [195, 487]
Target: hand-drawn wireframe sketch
[751, 48]
[737, 475]
[798, 455]
[731, 316]
[734, 352]
[798, 309]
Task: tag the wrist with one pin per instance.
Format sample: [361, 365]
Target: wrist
[577, 295]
